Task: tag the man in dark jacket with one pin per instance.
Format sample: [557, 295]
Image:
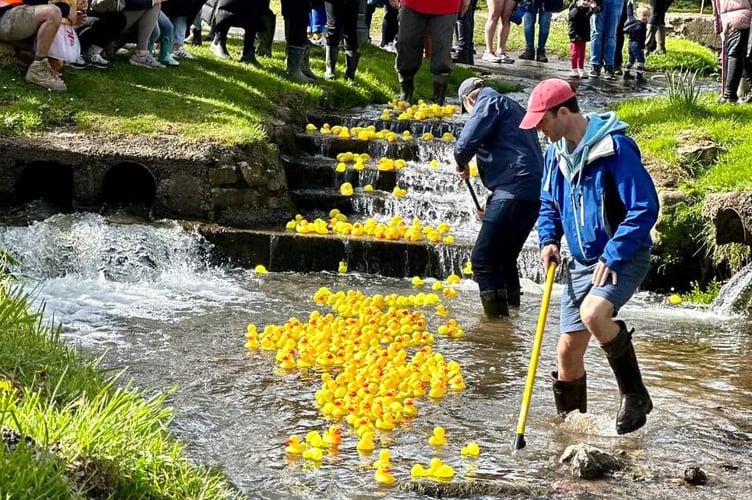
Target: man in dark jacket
[510, 164]
[22, 19]
[596, 193]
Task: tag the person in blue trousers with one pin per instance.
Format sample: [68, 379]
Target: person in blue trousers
[510, 164]
[542, 11]
[603, 26]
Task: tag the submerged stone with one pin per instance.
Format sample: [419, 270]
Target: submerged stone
[589, 462]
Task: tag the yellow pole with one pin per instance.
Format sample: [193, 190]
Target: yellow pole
[519, 440]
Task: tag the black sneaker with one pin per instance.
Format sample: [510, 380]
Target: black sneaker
[79, 63]
[609, 74]
[618, 71]
[595, 73]
[528, 55]
[541, 57]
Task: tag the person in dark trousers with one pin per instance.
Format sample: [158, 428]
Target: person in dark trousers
[542, 10]
[656, 36]
[389, 25]
[418, 18]
[342, 21]
[637, 28]
[223, 14]
[464, 29]
[265, 37]
[732, 20]
[510, 165]
[619, 51]
[295, 13]
[597, 194]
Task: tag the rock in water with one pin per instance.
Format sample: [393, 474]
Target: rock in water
[588, 462]
[695, 476]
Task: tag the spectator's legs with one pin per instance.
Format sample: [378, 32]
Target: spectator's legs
[412, 27]
[506, 26]
[266, 34]
[736, 55]
[465, 26]
[334, 21]
[220, 29]
[195, 37]
[613, 13]
[544, 26]
[390, 25]
[494, 13]
[619, 50]
[441, 30]
[180, 23]
[350, 31]
[597, 25]
[528, 23]
[295, 13]
[48, 19]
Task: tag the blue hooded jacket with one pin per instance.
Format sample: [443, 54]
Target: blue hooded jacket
[510, 162]
[599, 196]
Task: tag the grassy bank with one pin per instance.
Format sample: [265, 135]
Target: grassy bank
[69, 433]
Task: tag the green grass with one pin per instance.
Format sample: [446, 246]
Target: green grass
[80, 436]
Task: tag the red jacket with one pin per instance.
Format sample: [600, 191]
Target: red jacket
[433, 6]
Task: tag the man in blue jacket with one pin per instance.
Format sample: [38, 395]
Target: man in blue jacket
[510, 164]
[598, 195]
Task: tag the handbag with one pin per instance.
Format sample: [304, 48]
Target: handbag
[519, 11]
[65, 46]
[101, 6]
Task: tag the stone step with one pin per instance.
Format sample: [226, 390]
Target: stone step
[318, 172]
[326, 145]
[372, 117]
[288, 251]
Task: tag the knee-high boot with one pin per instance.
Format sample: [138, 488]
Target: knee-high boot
[569, 396]
[266, 35]
[332, 52]
[635, 400]
[249, 50]
[650, 42]
[660, 40]
[305, 64]
[293, 62]
[495, 303]
[734, 71]
[351, 63]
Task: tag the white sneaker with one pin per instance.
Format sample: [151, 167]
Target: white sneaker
[145, 60]
[390, 47]
[181, 53]
[491, 57]
[505, 58]
[96, 60]
[583, 73]
[79, 63]
[573, 73]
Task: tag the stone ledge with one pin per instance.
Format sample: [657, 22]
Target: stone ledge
[732, 215]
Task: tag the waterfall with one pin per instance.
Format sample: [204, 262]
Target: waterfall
[735, 297]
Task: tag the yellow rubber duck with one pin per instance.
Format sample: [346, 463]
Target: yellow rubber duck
[417, 281]
[259, 269]
[444, 471]
[342, 268]
[383, 475]
[385, 457]
[313, 438]
[332, 436]
[470, 450]
[418, 471]
[368, 188]
[366, 443]
[310, 127]
[314, 454]
[346, 189]
[439, 437]
[295, 445]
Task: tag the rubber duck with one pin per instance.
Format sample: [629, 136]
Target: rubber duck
[313, 438]
[295, 445]
[342, 268]
[383, 475]
[438, 438]
[259, 269]
[428, 136]
[314, 454]
[418, 471]
[346, 189]
[444, 471]
[470, 450]
[366, 442]
[434, 163]
[368, 188]
[417, 281]
[310, 127]
[468, 269]
[675, 299]
[340, 168]
[385, 457]
[332, 436]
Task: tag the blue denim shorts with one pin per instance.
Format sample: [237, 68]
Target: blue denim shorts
[579, 286]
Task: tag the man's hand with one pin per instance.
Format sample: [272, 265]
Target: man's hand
[463, 171]
[601, 273]
[550, 253]
[464, 5]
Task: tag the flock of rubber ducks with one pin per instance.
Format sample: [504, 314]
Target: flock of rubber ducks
[377, 362]
[396, 229]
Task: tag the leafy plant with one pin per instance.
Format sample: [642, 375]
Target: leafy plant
[683, 88]
[698, 295]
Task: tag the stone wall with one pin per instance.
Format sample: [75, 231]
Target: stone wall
[696, 27]
[232, 186]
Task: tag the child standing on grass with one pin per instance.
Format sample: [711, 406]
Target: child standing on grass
[579, 34]
[637, 27]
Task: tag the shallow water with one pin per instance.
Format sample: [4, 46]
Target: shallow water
[150, 303]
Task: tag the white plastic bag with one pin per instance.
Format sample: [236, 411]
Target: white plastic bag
[66, 45]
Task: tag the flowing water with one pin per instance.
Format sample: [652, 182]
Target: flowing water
[144, 296]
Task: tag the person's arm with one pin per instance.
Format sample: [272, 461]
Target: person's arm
[637, 192]
[486, 114]
[549, 225]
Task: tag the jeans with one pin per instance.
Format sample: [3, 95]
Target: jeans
[636, 54]
[180, 23]
[163, 32]
[603, 34]
[544, 20]
[506, 226]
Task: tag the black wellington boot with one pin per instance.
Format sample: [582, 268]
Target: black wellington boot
[440, 84]
[305, 64]
[351, 63]
[407, 91]
[635, 400]
[249, 51]
[569, 396]
[513, 297]
[495, 303]
[266, 35]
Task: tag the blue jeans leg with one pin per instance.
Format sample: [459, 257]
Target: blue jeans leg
[506, 226]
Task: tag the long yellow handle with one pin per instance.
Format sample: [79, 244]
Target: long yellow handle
[519, 441]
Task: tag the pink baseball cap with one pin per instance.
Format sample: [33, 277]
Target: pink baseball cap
[546, 95]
